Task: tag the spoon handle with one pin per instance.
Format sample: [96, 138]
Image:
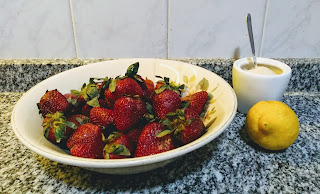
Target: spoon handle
[249, 26]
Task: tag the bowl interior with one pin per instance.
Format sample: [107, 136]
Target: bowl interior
[26, 121]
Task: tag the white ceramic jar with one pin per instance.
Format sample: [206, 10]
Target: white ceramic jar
[251, 88]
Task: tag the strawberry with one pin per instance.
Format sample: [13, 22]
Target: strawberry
[75, 103]
[130, 84]
[148, 88]
[149, 144]
[158, 85]
[127, 112]
[87, 108]
[167, 97]
[185, 124]
[101, 116]
[196, 101]
[93, 150]
[53, 101]
[86, 141]
[134, 134]
[165, 102]
[126, 86]
[56, 128]
[78, 119]
[89, 95]
[194, 127]
[121, 147]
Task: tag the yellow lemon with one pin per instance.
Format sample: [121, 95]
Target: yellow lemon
[272, 124]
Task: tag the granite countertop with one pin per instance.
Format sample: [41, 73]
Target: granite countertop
[231, 163]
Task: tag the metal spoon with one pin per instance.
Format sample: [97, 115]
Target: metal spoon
[249, 26]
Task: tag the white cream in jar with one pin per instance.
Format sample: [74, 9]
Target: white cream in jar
[263, 69]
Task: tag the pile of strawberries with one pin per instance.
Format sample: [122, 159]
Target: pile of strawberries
[122, 117]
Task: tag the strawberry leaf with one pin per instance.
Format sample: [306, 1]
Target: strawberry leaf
[112, 137]
[106, 156]
[46, 130]
[117, 149]
[75, 92]
[185, 104]
[70, 124]
[122, 150]
[92, 91]
[149, 108]
[171, 114]
[138, 79]
[166, 122]
[132, 70]
[39, 109]
[59, 133]
[210, 96]
[82, 121]
[149, 117]
[94, 102]
[161, 89]
[72, 101]
[112, 85]
[164, 133]
[166, 80]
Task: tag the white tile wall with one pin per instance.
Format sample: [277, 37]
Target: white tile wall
[292, 29]
[213, 28]
[159, 29]
[36, 29]
[121, 28]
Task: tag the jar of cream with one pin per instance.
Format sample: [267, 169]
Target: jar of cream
[267, 81]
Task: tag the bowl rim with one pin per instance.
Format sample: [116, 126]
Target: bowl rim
[128, 162]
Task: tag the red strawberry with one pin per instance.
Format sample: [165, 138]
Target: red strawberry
[86, 142]
[78, 119]
[93, 150]
[165, 102]
[134, 134]
[194, 127]
[185, 124]
[74, 100]
[196, 100]
[127, 112]
[53, 101]
[89, 96]
[127, 86]
[147, 86]
[101, 116]
[56, 128]
[75, 103]
[121, 147]
[87, 108]
[149, 144]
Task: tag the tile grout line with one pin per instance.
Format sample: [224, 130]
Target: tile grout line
[263, 28]
[73, 28]
[168, 26]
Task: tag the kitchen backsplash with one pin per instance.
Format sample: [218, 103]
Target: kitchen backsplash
[158, 29]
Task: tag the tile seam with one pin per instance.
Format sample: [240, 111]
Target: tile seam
[73, 29]
[168, 27]
[263, 28]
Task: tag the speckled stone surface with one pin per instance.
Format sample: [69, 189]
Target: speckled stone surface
[231, 163]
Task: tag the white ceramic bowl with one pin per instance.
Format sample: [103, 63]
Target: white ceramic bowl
[26, 121]
[251, 88]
